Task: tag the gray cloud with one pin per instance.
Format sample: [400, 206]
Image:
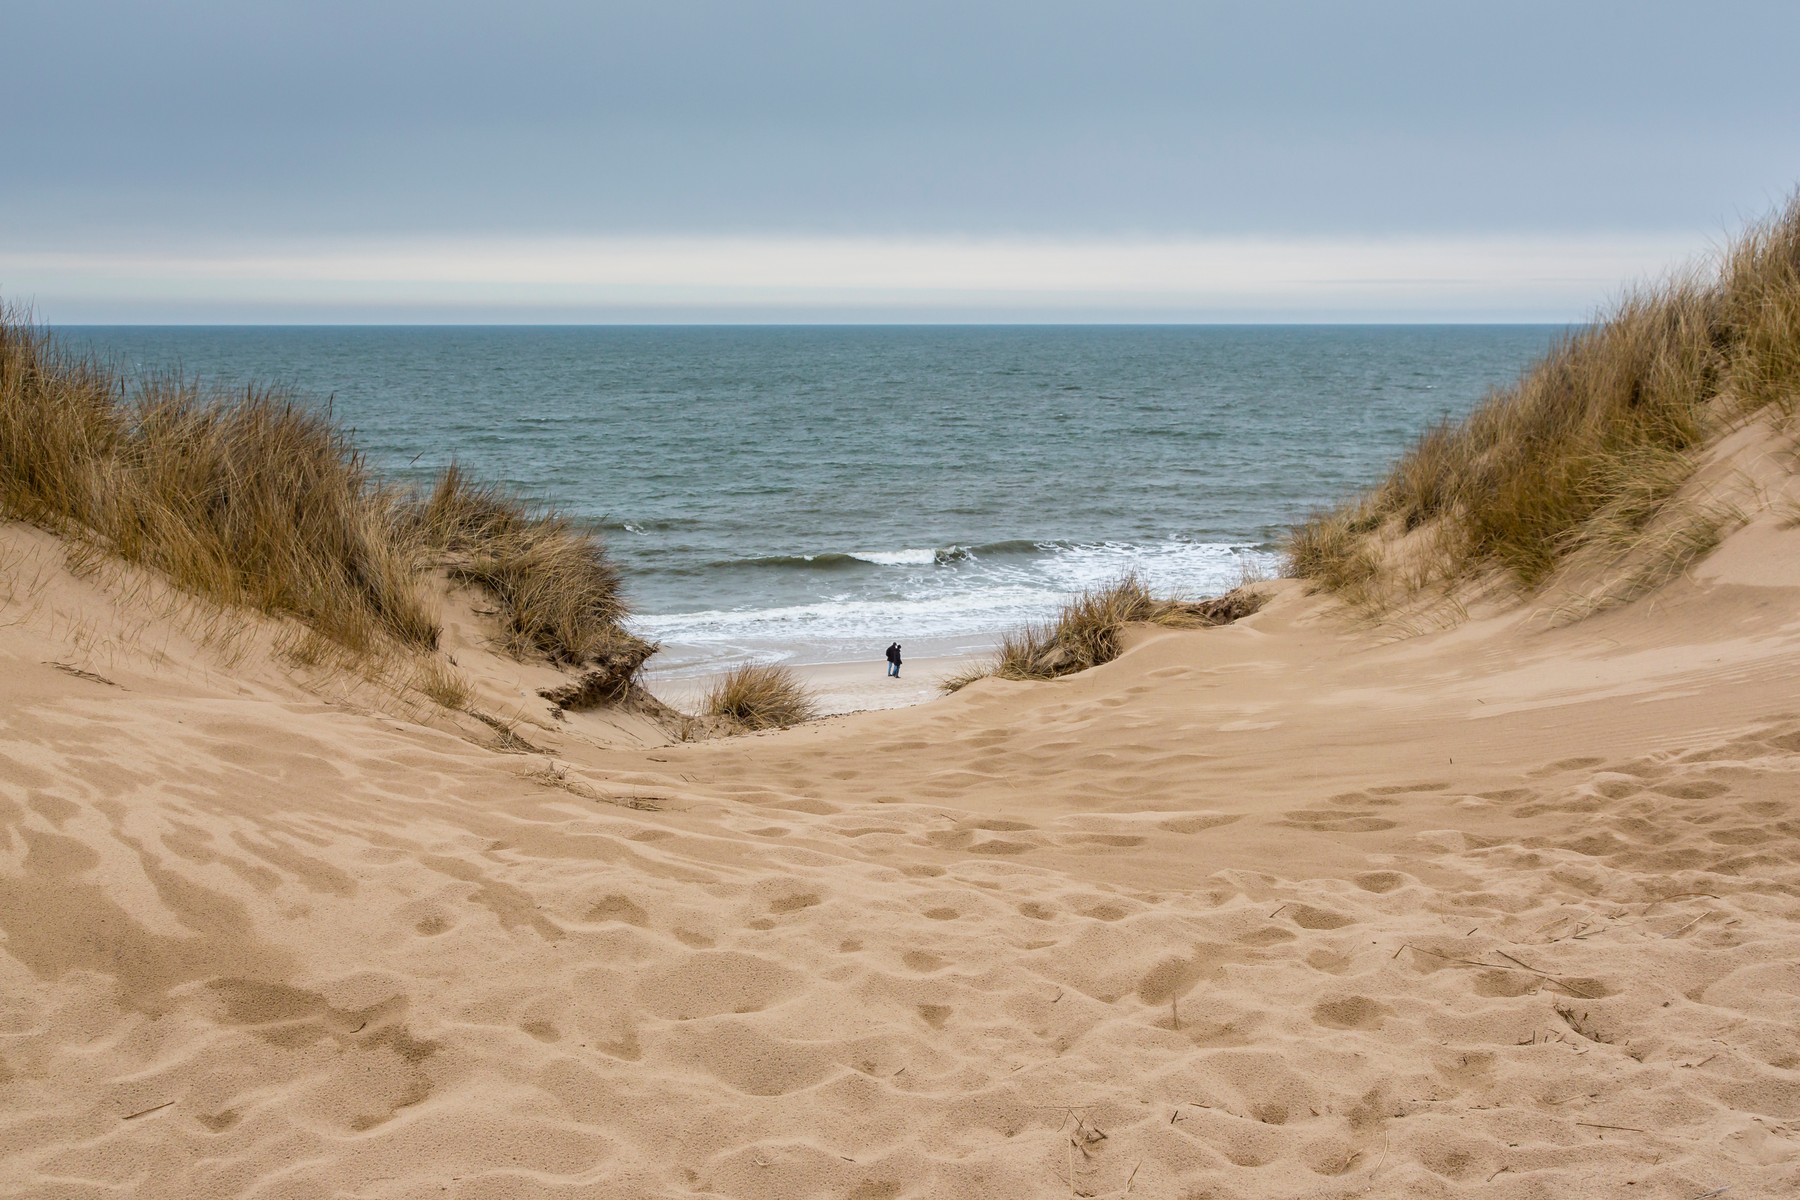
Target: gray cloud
[190, 123]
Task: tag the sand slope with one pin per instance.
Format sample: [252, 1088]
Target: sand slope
[1281, 909]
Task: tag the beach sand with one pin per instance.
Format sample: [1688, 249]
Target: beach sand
[839, 688]
[1293, 907]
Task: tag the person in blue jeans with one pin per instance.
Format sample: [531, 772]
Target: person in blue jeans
[893, 657]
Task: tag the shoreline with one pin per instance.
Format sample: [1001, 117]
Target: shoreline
[839, 688]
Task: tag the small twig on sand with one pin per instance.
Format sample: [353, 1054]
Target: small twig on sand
[1688, 926]
[1380, 1162]
[1621, 1128]
[77, 672]
[144, 1112]
[1523, 963]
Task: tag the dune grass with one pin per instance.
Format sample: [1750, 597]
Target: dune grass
[759, 696]
[1090, 630]
[558, 592]
[1589, 446]
[252, 499]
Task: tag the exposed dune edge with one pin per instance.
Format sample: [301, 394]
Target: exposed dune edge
[1276, 909]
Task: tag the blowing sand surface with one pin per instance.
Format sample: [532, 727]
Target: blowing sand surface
[1274, 910]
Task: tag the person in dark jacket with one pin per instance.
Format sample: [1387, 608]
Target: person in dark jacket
[893, 657]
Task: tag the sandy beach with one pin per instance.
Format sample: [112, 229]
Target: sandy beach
[1293, 907]
[841, 688]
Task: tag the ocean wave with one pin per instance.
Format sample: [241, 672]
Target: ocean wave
[988, 596]
[836, 560]
[839, 560]
[943, 556]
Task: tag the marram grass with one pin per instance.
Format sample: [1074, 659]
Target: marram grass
[252, 499]
[1090, 630]
[1588, 447]
[758, 696]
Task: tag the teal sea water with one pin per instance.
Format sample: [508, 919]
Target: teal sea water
[812, 493]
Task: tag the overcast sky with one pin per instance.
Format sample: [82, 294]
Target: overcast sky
[557, 160]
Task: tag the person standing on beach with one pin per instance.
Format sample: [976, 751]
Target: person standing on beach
[893, 657]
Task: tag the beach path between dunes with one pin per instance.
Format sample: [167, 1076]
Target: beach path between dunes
[1285, 908]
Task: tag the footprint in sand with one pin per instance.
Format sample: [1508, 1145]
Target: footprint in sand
[617, 908]
[999, 846]
[1330, 820]
[1566, 764]
[1308, 917]
[874, 1189]
[380, 1067]
[1349, 1012]
[1168, 980]
[1329, 1156]
[713, 982]
[934, 1015]
[1697, 789]
[1200, 822]
[1122, 841]
[1328, 962]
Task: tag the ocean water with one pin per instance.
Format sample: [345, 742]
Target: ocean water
[810, 494]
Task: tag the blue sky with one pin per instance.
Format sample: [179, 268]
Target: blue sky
[909, 161]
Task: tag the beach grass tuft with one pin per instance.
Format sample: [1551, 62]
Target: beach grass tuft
[251, 498]
[1589, 447]
[1090, 630]
[759, 696]
[558, 593]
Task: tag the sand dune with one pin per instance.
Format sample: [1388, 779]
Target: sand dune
[1287, 908]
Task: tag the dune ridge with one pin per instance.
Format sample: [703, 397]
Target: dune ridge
[1286, 907]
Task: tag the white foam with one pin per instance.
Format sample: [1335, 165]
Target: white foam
[970, 606]
[897, 558]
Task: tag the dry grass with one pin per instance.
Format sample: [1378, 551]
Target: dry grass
[757, 696]
[1587, 449]
[253, 500]
[442, 684]
[246, 499]
[1090, 630]
[558, 593]
[1651, 558]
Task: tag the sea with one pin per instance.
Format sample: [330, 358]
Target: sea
[808, 494]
